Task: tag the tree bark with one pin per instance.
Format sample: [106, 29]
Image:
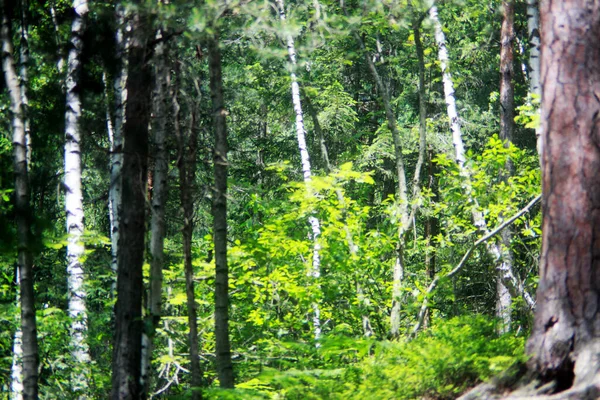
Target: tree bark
[74, 203]
[159, 197]
[128, 309]
[533, 32]
[115, 135]
[188, 145]
[507, 115]
[219, 208]
[314, 222]
[566, 334]
[30, 357]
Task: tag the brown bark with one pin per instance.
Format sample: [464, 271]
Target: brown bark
[128, 309]
[566, 323]
[188, 145]
[219, 209]
[22, 212]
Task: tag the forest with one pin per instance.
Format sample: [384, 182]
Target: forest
[301, 199]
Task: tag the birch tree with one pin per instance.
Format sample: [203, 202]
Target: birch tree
[30, 356]
[74, 202]
[115, 134]
[509, 279]
[314, 223]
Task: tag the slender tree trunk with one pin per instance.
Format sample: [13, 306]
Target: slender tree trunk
[24, 76]
[533, 32]
[115, 134]
[363, 300]
[449, 97]
[219, 206]
[30, 355]
[315, 224]
[566, 328]
[507, 114]
[509, 279]
[406, 216]
[128, 309]
[74, 203]
[159, 197]
[16, 371]
[188, 145]
[60, 63]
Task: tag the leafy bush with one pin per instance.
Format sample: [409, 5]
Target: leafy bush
[439, 364]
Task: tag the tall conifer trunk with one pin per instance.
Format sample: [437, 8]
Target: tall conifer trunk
[219, 209]
[159, 197]
[74, 203]
[30, 356]
[128, 309]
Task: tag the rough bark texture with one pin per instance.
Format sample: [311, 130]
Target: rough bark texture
[128, 309]
[188, 145]
[567, 323]
[220, 160]
[74, 202]
[314, 222]
[30, 357]
[159, 196]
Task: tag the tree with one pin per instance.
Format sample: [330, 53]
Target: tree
[30, 357]
[564, 341]
[74, 201]
[315, 225]
[219, 209]
[128, 310]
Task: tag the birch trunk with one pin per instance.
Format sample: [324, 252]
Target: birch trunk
[115, 134]
[74, 203]
[315, 224]
[533, 32]
[509, 279]
[24, 76]
[128, 309]
[16, 371]
[188, 145]
[159, 196]
[219, 209]
[30, 355]
[363, 300]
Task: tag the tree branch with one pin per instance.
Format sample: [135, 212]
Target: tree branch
[466, 257]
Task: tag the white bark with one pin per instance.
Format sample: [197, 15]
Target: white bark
[440, 40]
[533, 31]
[23, 78]
[506, 274]
[115, 132]
[306, 170]
[74, 203]
[16, 371]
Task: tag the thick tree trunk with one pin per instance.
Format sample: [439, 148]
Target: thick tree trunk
[23, 215]
[315, 224]
[74, 203]
[188, 145]
[507, 115]
[159, 196]
[220, 160]
[128, 309]
[566, 329]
